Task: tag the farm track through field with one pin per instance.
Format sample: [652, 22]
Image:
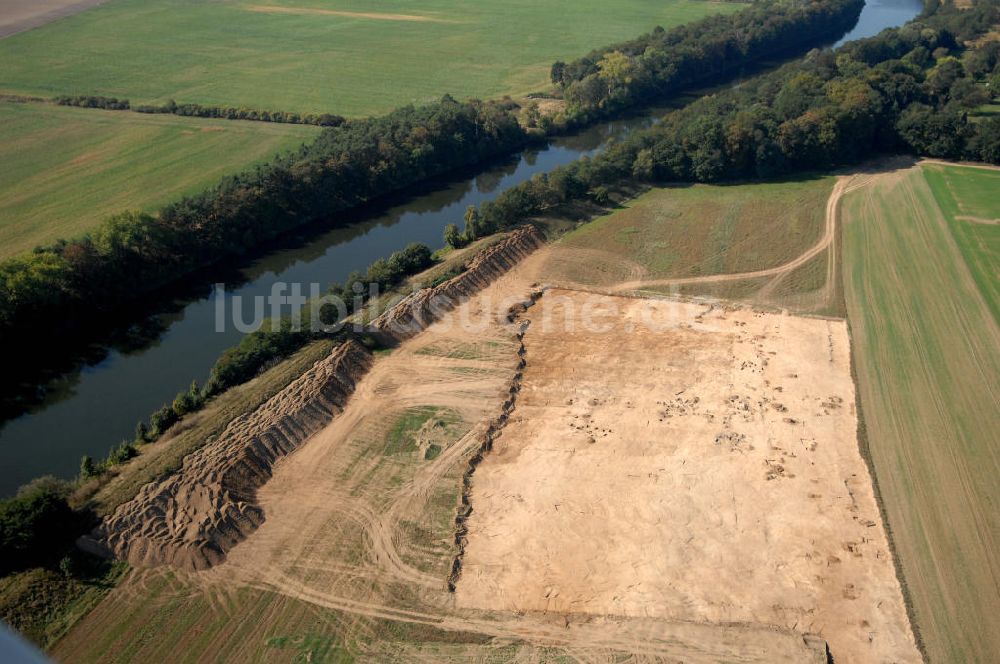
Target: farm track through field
[378, 16]
[941, 162]
[844, 185]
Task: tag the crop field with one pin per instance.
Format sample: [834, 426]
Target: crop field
[968, 199]
[332, 56]
[64, 169]
[927, 358]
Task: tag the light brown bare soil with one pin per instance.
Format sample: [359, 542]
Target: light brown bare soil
[706, 472]
[359, 524]
[682, 483]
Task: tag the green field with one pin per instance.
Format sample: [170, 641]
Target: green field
[63, 169]
[969, 200]
[305, 56]
[927, 356]
[696, 231]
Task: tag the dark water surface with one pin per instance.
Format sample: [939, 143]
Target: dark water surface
[89, 410]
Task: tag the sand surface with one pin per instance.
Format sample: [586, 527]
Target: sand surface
[708, 471]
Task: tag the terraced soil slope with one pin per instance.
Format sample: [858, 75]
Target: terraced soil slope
[416, 311]
[191, 519]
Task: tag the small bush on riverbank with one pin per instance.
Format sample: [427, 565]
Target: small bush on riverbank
[37, 525]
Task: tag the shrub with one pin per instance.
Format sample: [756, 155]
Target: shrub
[37, 525]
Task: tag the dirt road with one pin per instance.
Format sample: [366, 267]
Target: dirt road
[845, 184]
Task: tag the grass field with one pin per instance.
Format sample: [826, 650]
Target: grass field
[968, 199]
[927, 357]
[696, 231]
[63, 170]
[322, 55]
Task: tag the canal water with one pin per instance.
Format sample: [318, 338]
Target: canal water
[92, 409]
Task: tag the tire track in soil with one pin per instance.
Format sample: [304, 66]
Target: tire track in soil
[844, 185]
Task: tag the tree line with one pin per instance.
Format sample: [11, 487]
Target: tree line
[907, 90]
[663, 62]
[134, 253]
[201, 110]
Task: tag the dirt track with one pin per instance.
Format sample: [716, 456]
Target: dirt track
[20, 15]
[844, 185]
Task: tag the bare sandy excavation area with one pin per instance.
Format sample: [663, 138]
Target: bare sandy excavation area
[528, 474]
[688, 462]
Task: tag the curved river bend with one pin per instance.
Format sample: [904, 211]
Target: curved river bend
[100, 405]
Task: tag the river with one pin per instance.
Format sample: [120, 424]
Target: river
[88, 411]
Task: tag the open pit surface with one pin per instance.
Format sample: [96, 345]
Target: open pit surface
[705, 471]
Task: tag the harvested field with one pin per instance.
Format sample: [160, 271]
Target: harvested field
[708, 471]
[693, 232]
[927, 354]
[773, 244]
[64, 170]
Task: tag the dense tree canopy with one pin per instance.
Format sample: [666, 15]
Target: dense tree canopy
[37, 525]
[906, 90]
[665, 61]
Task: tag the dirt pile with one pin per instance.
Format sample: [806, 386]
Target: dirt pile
[191, 519]
[416, 311]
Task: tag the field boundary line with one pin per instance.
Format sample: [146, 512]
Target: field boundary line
[377, 16]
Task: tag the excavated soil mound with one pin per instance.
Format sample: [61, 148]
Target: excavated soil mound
[191, 519]
[419, 309]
